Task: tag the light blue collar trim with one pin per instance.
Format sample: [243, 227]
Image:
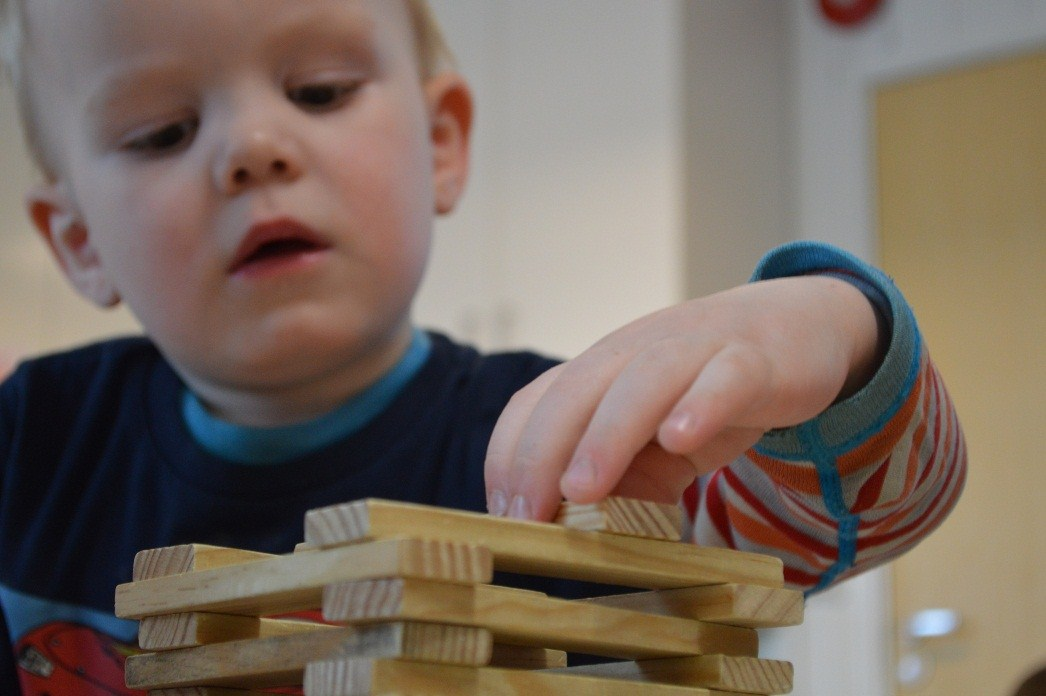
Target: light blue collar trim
[248, 445]
[24, 612]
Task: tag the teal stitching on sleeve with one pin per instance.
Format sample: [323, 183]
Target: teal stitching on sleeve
[832, 493]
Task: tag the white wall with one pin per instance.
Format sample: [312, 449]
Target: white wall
[627, 154]
[738, 109]
[572, 223]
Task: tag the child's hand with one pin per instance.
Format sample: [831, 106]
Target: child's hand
[679, 393]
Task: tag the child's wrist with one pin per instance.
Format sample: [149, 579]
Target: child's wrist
[810, 258]
[871, 334]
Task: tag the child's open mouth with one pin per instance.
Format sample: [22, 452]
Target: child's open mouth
[276, 245]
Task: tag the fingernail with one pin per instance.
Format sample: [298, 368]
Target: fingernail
[519, 509]
[496, 504]
[581, 475]
[681, 423]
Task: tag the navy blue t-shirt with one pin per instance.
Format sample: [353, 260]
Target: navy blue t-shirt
[98, 464]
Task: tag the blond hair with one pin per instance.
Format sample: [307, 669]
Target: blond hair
[12, 40]
[433, 55]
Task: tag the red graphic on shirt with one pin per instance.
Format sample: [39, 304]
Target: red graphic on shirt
[69, 659]
[61, 658]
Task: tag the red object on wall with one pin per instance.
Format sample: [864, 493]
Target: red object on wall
[849, 12]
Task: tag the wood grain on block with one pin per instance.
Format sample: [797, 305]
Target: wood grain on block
[753, 606]
[294, 582]
[629, 516]
[538, 548]
[169, 560]
[749, 675]
[190, 629]
[529, 618]
[207, 691]
[281, 660]
[362, 676]
[526, 657]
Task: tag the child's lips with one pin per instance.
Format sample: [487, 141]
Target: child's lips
[274, 245]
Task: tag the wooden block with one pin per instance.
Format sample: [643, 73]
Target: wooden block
[294, 582]
[363, 677]
[546, 549]
[207, 691]
[280, 661]
[629, 516]
[752, 606]
[170, 560]
[526, 657]
[746, 674]
[528, 618]
[172, 631]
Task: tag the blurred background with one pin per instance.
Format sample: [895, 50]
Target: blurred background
[631, 153]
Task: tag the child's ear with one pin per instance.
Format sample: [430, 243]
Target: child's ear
[450, 121]
[69, 240]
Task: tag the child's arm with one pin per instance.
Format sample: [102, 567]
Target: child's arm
[697, 387]
[864, 481]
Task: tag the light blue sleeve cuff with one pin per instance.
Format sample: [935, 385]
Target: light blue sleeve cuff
[847, 424]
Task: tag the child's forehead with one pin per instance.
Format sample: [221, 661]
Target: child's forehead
[79, 57]
[140, 24]
[103, 38]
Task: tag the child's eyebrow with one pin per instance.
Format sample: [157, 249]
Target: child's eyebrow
[126, 85]
[318, 29]
[324, 28]
[347, 29]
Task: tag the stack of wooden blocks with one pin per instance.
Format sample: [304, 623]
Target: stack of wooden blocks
[407, 609]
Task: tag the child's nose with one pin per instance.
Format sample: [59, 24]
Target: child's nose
[257, 158]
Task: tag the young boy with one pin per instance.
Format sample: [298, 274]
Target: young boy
[258, 181]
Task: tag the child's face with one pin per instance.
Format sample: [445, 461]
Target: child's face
[257, 180]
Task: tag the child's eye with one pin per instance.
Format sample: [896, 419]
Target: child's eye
[164, 139]
[321, 97]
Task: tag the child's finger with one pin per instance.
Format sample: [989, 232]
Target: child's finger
[505, 438]
[656, 475]
[628, 414]
[548, 439]
[726, 447]
[554, 426]
[730, 389]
